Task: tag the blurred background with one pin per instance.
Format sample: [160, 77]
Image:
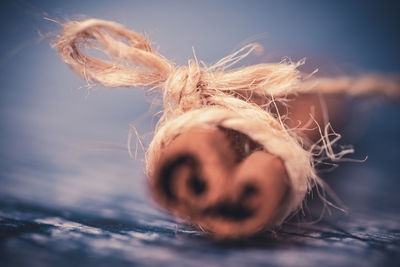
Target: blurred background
[70, 193]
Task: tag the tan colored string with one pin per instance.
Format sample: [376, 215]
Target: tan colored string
[210, 97]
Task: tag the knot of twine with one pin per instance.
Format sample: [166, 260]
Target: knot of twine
[184, 88]
[201, 96]
[135, 63]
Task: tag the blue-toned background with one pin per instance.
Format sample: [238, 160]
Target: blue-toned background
[70, 194]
